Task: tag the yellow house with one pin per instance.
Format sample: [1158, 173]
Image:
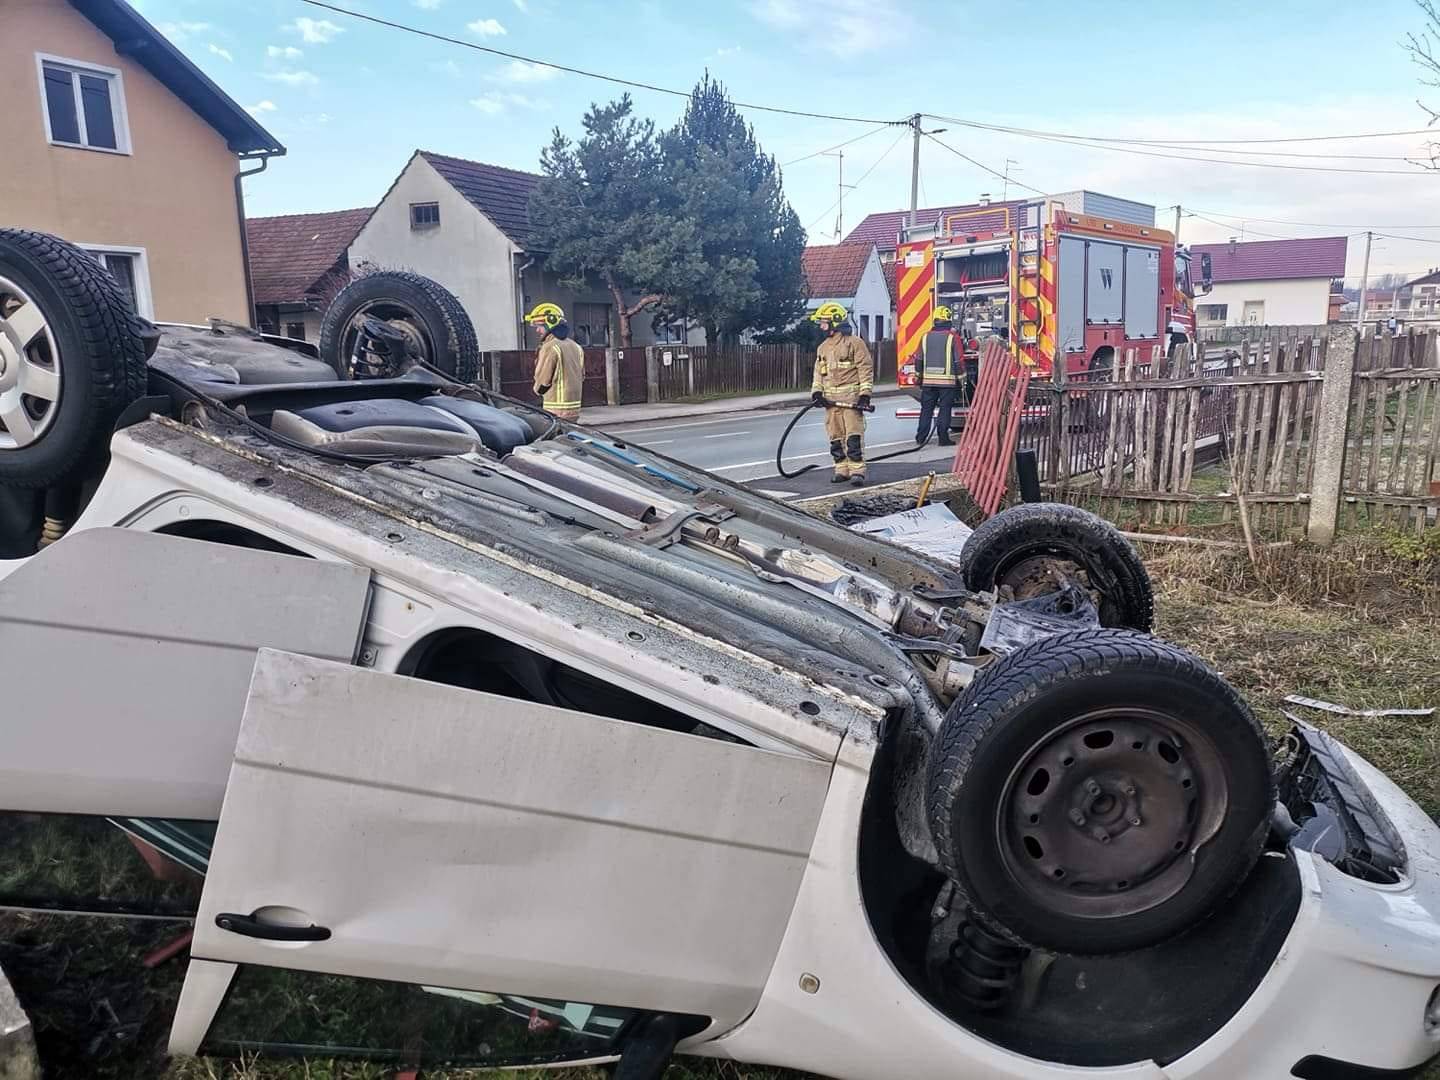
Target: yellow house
[112, 139]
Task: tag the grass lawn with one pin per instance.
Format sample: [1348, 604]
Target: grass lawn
[1359, 625]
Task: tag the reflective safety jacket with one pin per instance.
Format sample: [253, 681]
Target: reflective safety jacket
[560, 365]
[843, 369]
[942, 356]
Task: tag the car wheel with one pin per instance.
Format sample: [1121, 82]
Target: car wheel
[1026, 550]
[72, 357]
[432, 320]
[1098, 792]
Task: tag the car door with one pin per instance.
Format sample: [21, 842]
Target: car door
[125, 661]
[444, 875]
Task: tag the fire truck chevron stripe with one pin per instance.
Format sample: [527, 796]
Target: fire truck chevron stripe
[914, 281]
[915, 313]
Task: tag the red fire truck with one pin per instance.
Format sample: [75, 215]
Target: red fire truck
[1060, 286]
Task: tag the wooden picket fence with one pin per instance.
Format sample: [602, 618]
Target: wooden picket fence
[1236, 429]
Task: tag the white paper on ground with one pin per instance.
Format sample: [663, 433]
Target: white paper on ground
[931, 529]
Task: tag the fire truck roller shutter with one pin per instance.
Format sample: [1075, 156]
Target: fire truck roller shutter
[1070, 295]
[1103, 282]
[1142, 292]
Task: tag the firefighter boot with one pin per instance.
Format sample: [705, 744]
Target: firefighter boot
[837, 453]
[855, 453]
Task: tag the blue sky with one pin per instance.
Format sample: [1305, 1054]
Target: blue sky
[352, 100]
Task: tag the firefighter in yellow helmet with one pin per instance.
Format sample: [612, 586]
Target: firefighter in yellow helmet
[844, 377]
[939, 371]
[560, 363]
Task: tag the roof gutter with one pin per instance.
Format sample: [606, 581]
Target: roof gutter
[519, 304]
[264, 157]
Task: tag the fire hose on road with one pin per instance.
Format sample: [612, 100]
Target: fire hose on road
[780, 447]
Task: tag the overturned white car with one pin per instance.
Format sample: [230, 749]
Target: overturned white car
[534, 747]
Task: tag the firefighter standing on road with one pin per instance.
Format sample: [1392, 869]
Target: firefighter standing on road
[939, 373]
[844, 377]
[560, 363]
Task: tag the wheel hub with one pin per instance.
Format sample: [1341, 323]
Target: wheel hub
[29, 369]
[1102, 817]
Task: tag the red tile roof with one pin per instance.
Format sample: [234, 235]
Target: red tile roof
[1432, 278]
[833, 271]
[883, 229]
[1272, 260]
[502, 195]
[291, 254]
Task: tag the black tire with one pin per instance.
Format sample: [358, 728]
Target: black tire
[1015, 547]
[993, 807]
[100, 363]
[442, 333]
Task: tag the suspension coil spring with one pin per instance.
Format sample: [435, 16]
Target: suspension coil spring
[983, 967]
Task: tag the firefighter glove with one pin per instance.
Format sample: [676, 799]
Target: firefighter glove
[817, 398]
[863, 401]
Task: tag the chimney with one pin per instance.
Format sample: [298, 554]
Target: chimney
[985, 198]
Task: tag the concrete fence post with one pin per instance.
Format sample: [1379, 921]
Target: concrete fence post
[1331, 429]
[612, 375]
[652, 374]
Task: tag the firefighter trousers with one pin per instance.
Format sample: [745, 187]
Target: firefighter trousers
[846, 430]
[931, 398]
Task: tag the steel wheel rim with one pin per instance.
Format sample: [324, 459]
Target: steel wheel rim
[1120, 829]
[30, 374]
[397, 314]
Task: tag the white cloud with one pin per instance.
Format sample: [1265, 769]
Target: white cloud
[497, 102]
[179, 31]
[224, 54]
[292, 78]
[522, 71]
[522, 6]
[315, 31]
[283, 52]
[261, 107]
[446, 67]
[851, 27]
[428, 5]
[486, 28]
[728, 51]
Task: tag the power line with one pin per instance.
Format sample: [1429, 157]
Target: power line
[1416, 239]
[581, 71]
[1317, 224]
[981, 165]
[1244, 226]
[1066, 140]
[1162, 142]
[874, 165]
[832, 149]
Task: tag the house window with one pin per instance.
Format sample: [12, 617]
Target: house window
[127, 267]
[295, 330]
[424, 215]
[865, 328]
[1212, 313]
[591, 324]
[84, 105]
[879, 327]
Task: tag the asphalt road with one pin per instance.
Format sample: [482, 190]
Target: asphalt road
[741, 446]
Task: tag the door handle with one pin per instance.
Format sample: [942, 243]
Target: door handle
[250, 926]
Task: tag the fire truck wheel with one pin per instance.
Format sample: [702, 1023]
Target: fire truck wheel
[1027, 551]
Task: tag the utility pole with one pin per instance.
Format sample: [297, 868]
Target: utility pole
[915, 170]
[1177, 223]
[1364, 282]
[840, 203]
[1005, 191]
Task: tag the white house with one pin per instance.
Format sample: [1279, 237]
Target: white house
[852, 275]
[467, 225]
[1269, 282]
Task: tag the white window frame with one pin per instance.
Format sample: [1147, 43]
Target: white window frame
[144, 299]
[116, 80]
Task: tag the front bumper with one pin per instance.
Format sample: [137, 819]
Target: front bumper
[1353, 979]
